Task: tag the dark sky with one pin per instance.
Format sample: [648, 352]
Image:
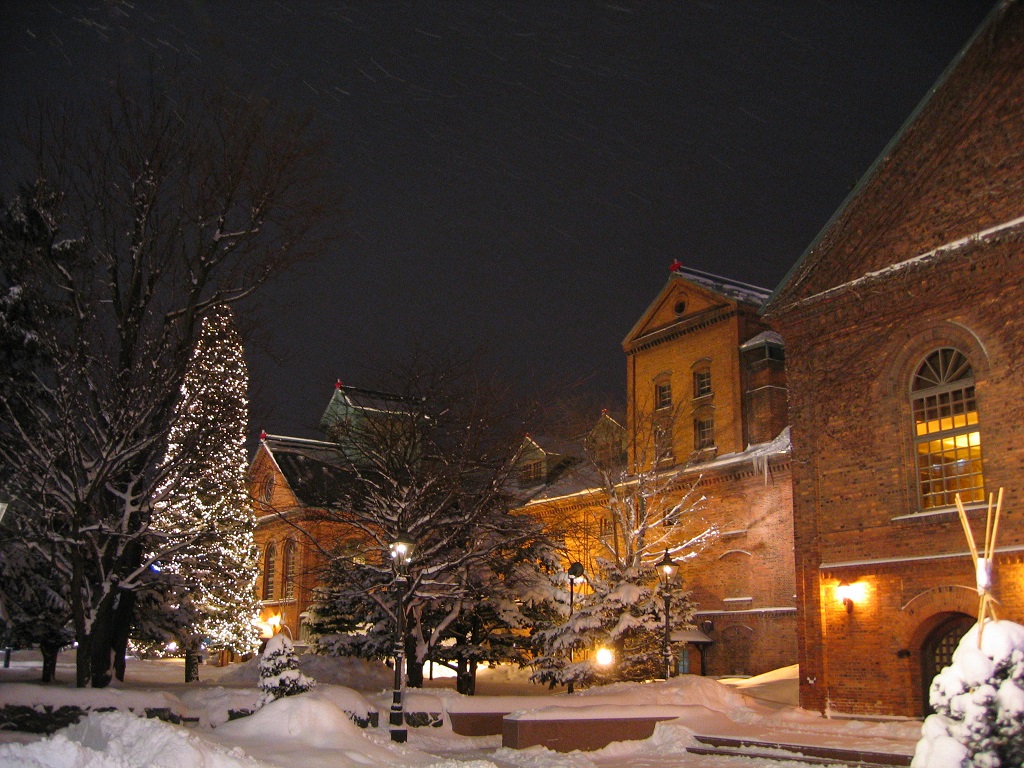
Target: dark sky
[519, 175]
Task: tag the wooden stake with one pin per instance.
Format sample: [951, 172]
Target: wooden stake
[967, 529]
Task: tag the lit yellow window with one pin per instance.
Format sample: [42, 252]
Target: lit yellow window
[946, 435]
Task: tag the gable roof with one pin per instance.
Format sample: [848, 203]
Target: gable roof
[708, 296]
[313, 469]
[347, 402]
[950, 173]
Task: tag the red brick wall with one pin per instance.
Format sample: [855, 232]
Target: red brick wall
[752, 559]
[850, 359]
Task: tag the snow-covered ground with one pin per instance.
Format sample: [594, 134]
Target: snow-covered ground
[312, 729]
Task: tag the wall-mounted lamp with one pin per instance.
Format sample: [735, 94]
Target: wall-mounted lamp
[845, 593]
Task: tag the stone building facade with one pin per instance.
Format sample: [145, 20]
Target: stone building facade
[904, 333]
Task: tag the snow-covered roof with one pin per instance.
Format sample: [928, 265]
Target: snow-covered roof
[347, 401]
[313, 469]
[734, 289]
[765, 337]
[581, 481]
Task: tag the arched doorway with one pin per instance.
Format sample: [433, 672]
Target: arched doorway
[937, 649]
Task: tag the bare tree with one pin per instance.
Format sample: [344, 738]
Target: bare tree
[163, 207]
[643, 504]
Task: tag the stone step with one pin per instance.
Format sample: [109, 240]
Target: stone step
[802, 753]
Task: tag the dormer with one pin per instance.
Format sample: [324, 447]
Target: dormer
[541, 460]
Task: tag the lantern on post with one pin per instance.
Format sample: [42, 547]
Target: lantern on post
[666, 573]
[401, 554]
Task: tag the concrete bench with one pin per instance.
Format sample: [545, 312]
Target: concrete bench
[476, 723]
[566, 735]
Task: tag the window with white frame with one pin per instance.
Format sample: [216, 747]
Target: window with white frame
[269, 570]
[704, 432]
[947, 438]
[662, 394]
[702, 383]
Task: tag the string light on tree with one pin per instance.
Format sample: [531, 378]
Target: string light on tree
[204, 498]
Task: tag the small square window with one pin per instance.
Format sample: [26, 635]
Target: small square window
[701, 383]
[663, 395]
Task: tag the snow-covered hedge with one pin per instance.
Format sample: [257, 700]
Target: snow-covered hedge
[279, 671]
[979, 704]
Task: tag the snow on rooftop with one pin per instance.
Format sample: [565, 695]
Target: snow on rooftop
[765, 337]
[950, 248]
[734, 289]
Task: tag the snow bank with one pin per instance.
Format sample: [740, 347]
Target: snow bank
[121, 740]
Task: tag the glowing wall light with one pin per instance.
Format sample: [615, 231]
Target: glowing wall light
[849, 594]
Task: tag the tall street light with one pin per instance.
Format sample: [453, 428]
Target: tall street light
[575, 572]
[666, 570]
[401, 553]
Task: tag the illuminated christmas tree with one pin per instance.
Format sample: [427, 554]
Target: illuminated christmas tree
[204, 518]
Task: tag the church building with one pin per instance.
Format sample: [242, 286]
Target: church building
[904, 332]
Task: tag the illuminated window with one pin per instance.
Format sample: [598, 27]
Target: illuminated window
[663, 394]
[269, 568]
[947, 440]
[701, 383]
[290, 569]
[703, 433]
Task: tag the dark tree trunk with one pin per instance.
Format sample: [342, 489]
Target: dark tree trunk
[50, 652]
[462, 678]
[109, 636]
[192, 666]
[101, 643]
[413, 666]
[465, 681]
[124, 613]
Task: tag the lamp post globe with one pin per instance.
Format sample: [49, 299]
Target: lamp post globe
[401, 554]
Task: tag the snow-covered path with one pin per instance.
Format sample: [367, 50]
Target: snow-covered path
[311, 730]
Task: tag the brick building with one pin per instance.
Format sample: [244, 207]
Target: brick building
[904, 334]
[706, 406]
[292, 481]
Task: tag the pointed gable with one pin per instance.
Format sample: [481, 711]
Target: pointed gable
[291, 472]
[954, 173]
[691, 298]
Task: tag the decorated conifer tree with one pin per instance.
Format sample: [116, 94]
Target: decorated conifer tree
[279, 671]
[204, 509]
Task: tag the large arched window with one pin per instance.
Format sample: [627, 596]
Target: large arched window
[269, 569]
[947, 439]
[290, 568]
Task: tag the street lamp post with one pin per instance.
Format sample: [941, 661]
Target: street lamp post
[401, 553]
[666, 570]
[575, 572]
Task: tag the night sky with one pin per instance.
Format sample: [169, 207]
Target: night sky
[518, 176]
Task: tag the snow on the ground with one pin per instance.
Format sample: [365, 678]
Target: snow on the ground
[312, 730]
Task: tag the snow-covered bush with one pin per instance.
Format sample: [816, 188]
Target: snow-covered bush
[979, 704]
[279, 671]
